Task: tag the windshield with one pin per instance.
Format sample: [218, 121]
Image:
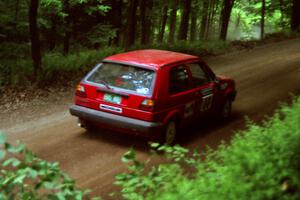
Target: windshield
[130, 78]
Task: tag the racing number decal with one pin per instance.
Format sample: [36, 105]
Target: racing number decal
[206, 102]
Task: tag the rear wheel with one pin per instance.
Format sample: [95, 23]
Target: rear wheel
[170, 133]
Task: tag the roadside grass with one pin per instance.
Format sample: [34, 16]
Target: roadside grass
[261, 163]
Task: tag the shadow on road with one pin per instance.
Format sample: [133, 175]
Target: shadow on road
[203, 130]
[196, 131]
[122, 140]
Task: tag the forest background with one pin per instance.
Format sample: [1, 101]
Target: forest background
[55, 41]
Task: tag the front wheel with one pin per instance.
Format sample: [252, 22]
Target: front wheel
[170, 132]
[225, 111]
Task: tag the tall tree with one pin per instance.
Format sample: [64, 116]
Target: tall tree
[225, 17]
[115, 15]
[67, 27]
[52, 33]
[146, 22]
[131, 23]
[295, 18]
[184, 23]
[163, 21]
[17, 11]
[193, 25]
[173, 20]
[212, 10]
[34, 37]
[204, 18]
[262, 21]
[281, 7]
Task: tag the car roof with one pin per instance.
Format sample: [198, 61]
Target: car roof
[150, 58]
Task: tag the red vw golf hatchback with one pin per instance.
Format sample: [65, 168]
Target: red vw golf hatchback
[151, 92]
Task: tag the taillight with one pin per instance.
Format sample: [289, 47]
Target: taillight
[80, 91]
[147, 105]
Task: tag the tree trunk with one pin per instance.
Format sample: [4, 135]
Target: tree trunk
[17, 11]
[146, 22]
[203, 27]
[225, 17]
[17, 5]
[143, 7]
[131, 23]
[163, 22]
[262, 22]
[173, 21]
[211, 12]
[34, 37]
[52, 35]
[237, 23]
[295, 18]
[67, 28]
[213, 15]
[281, 6]
[184, 24]
[116, 20]
[209, 19]
[193, 26]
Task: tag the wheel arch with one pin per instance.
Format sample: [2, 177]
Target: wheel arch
[173, 115]
[231, 94]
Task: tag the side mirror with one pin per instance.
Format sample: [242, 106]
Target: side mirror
[217, 82]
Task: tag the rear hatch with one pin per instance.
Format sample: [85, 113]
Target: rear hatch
[120, 89]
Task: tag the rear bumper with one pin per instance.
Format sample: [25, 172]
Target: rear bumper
[114, 121]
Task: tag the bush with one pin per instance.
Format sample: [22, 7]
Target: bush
[15, 72]
[59, 68]
[25, 176]
[262, 162]
[198, 48]
[56, 68]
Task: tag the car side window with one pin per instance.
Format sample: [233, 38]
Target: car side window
[178, 79]
[199, 76]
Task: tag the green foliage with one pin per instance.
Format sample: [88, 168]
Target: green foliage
[99, 35]
[262, 162]
[246, 16]
[135, 185]
[56, 67]
[61, 68]
[15, 72]
[25, 176]
[200, 48]
[16, 67]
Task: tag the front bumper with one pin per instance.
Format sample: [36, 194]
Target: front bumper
[114, 121]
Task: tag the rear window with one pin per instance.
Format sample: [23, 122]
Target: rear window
[130, 78]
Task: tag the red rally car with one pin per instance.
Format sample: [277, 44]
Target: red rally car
[151, 92]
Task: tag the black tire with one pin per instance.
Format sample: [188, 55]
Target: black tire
[225, 111]
[89, 127]
[170, 133]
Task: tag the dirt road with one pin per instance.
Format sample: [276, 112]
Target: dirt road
[264, 75]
